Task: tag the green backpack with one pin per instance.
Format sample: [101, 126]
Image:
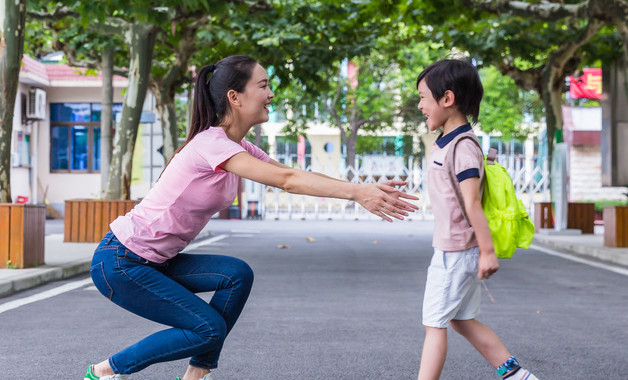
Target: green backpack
[508, 220]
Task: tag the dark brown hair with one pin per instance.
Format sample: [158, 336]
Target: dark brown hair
[213, 83]
[461, 78]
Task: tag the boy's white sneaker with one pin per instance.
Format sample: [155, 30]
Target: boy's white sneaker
[521, 374]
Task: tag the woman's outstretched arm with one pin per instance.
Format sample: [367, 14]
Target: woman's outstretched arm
[381, 199]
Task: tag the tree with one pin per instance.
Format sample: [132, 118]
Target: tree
[538, 52]
[505, 106]
[318, 38]
[606, 12]
[12, 18]
[83, 47]
[137, 26]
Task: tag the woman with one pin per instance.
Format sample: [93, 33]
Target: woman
[138, 265]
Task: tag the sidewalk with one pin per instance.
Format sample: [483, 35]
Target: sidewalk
[64, 260]
[584, 245]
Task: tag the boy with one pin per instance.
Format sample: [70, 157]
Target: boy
[450, 91]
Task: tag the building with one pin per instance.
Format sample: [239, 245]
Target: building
[56, 135]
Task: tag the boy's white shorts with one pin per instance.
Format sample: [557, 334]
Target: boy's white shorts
[452, 290]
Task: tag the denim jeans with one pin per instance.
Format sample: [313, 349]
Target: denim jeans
[164, 293]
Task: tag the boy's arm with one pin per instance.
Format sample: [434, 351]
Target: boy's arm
[488, 263]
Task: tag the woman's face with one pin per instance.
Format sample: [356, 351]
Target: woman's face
[256, 97]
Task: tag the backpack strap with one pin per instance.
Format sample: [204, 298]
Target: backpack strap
[450, 160]
[491, 157]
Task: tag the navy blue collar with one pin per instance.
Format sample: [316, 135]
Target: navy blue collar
[441, 141]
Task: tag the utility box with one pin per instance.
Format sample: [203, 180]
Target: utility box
[614, 126]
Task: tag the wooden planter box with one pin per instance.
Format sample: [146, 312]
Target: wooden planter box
[580, 216]
[87, 220]
[616, 226]
[22, 235]
[543, 215]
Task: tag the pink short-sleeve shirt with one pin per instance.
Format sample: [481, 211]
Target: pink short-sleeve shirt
[191, 189]
[452, 232]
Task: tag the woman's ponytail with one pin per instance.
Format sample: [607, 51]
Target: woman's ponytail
[203, 110]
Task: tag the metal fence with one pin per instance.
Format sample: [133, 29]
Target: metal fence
[531, 181]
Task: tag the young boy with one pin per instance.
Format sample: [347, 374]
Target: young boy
[450, 91]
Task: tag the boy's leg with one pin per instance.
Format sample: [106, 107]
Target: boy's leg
[434, 353]
[491, 347]
[483, 339]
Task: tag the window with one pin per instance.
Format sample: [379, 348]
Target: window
[75, 136]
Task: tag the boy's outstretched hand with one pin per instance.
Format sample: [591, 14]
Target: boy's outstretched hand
[384, 199]
[487, 265]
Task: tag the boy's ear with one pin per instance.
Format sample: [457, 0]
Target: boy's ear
[449, 98]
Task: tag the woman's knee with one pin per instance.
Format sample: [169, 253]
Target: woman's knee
[212, 332]
[243, 273]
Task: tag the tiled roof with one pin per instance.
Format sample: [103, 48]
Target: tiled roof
[33, 66]
[58, 72]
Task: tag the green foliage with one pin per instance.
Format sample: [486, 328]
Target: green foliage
[181, 105]
[599, 205]
[504, 105]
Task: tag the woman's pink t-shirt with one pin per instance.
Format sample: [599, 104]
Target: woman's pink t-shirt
[191, 189]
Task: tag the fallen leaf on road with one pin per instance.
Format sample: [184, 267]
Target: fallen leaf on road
[375, 241]
[538, 311]
[310, 239]
[282, 246]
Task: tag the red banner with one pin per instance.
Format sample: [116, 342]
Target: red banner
[588, 85]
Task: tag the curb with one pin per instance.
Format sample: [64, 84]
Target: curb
[44, 275]
[611, 255]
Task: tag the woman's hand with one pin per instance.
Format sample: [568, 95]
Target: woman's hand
[384, 200]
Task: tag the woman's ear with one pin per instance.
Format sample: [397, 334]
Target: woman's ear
[449, 98]
[233, 98]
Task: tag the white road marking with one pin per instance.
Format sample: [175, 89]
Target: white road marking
[245, 231]
[581, 260]
[243, 235]
[43, 295]
[204, 242]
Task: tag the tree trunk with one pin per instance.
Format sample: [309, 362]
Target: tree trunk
[552, 100]
[12, 19]
[622, 29]
[168, 116]
[106, 116]
[188, 110]
[141, 41]
[350, 143]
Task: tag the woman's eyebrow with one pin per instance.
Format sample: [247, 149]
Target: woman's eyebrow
[263, 80]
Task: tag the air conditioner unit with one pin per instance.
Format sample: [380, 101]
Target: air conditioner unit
[15, 159]
[36, 107]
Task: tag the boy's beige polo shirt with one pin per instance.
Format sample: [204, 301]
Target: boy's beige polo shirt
[451, 230]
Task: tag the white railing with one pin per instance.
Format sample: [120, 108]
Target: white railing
[531, 185]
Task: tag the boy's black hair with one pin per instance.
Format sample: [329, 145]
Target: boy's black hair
[461, 78]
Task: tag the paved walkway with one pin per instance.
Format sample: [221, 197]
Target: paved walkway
[64, 260]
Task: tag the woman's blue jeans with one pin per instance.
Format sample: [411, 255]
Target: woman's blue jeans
[164, 293]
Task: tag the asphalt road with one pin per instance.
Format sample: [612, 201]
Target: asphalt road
[344, 306]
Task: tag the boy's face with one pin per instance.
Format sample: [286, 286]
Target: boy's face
[435, 112]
